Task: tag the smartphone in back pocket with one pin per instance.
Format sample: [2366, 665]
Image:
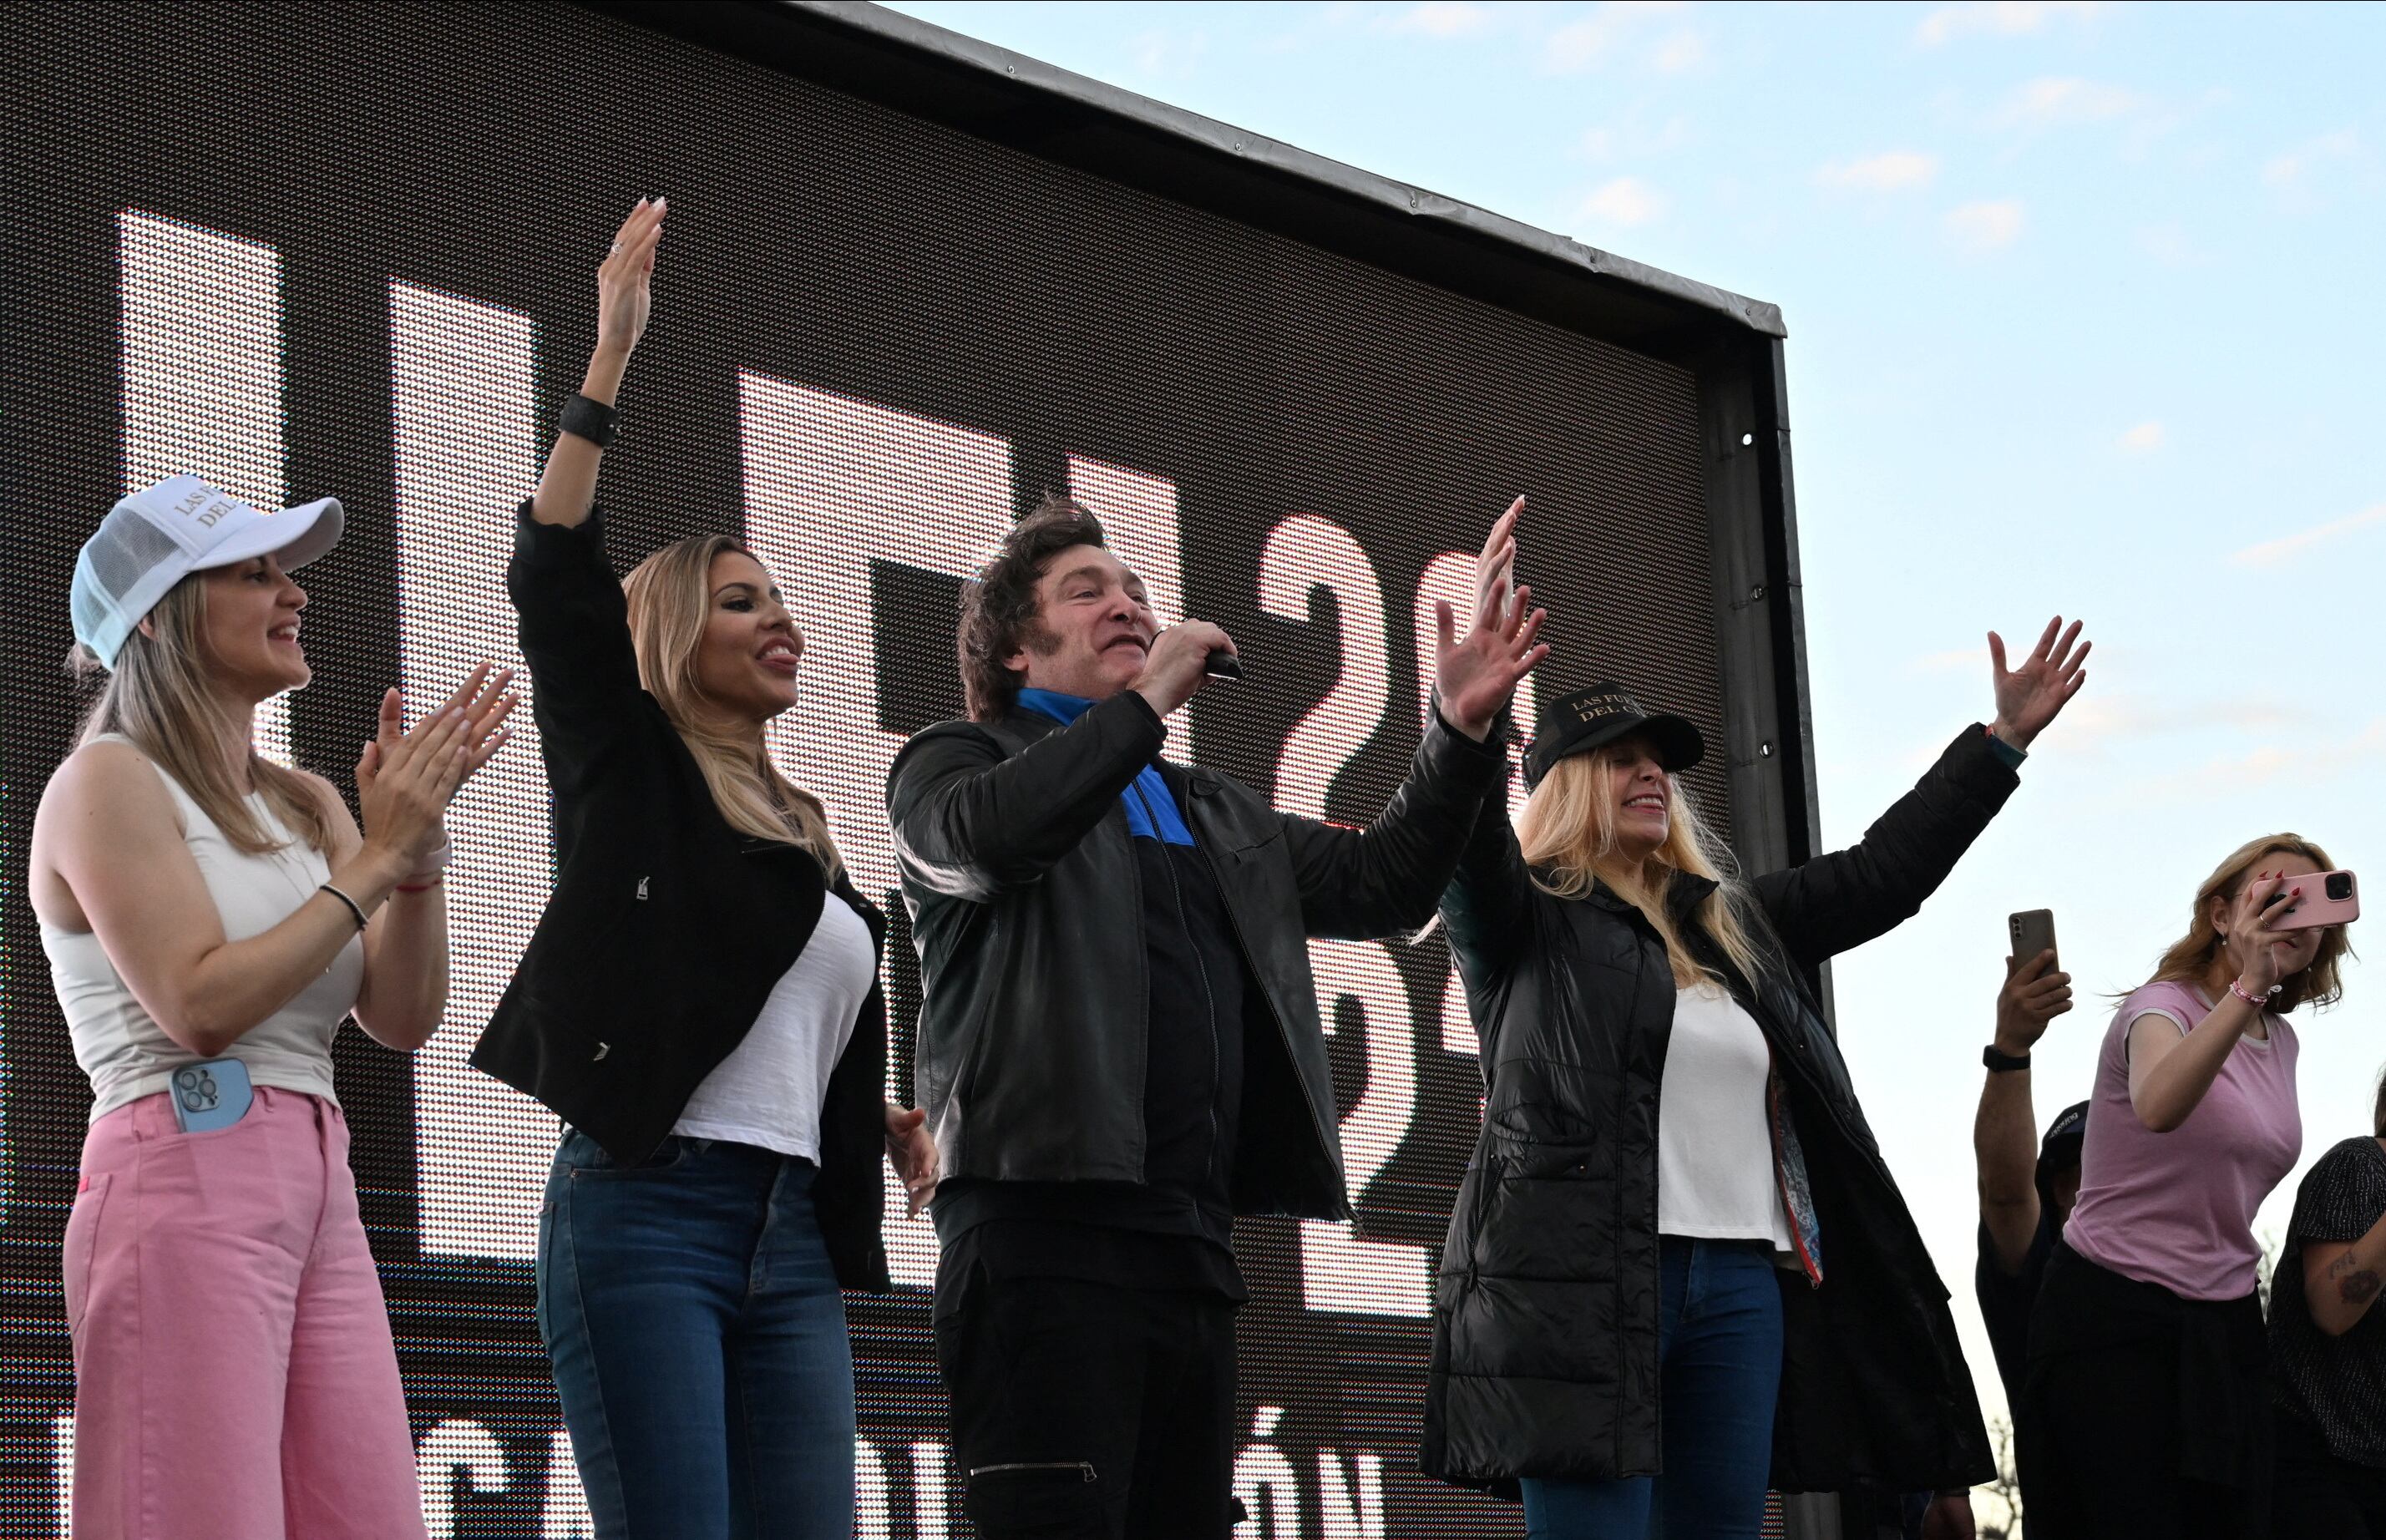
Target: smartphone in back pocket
[2329, 898]
[2033, 932]
[212, 1094]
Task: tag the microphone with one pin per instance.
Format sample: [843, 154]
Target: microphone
[1222, 664]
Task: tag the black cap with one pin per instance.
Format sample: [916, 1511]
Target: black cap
[1579, 722]
[2064, 1136]
[2059, 1151]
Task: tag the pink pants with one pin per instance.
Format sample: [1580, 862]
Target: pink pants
[234, 1370]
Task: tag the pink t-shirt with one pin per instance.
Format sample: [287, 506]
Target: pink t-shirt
[2177, 1208]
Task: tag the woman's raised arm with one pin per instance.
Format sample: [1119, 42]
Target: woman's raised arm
[568, 490]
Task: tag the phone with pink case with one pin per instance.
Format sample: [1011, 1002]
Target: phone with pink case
[2329, 898]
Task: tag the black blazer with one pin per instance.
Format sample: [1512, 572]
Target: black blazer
[667, 928]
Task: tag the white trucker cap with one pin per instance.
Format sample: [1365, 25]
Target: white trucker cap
[161, 534]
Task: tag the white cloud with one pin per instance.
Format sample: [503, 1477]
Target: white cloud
[1626, 201]
[2144, 439]
[1635, 140]
[1893, 173]
[1979, 227]
[1950, 660]
[2228, 777]
[1161, 52]
[2295, 165]
[2004, 18]
[2168, 244]
[1682, 51]
[1442, 19]
[2269, 553]
[1587, 43]
[2099, 720]
[2054, 99]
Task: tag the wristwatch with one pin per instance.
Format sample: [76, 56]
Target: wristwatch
[2000, 1061]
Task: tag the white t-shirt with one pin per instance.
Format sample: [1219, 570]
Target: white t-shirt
[1715, 1149]
[768, 1092]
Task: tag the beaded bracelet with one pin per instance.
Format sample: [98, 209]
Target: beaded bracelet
[2259, 1002]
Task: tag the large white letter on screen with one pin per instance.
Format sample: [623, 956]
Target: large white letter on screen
[465, 432]
[834, 485]
[202, 359]
[1339, 1272]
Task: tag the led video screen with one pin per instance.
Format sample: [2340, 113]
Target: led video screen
[306, 251]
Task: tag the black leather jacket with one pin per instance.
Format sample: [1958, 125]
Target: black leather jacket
[1027, 910]
[1545, 1325]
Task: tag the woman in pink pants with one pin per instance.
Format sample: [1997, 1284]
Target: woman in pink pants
[211, 918]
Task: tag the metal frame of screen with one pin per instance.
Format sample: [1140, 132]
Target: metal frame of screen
[912, 282]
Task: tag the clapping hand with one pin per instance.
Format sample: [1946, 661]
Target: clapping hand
[404, 779]
[2034, 694]
[1476, 674]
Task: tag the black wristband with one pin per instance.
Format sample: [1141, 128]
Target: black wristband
[585, 418]
[2000, 1061]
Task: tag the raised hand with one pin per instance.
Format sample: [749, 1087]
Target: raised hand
[912, 1153]
[405, 780]
[567, 490]
[1474, 675]
[623, 296]
[1497, 560]
[2034, 694]
[2034, 995]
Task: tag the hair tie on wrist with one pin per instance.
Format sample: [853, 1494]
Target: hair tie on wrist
[354, 907]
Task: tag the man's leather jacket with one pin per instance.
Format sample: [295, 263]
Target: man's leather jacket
[1027, 911]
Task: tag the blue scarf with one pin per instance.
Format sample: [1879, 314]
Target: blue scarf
[1151, 811]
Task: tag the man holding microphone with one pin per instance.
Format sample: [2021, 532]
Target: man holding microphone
[1119, 1048]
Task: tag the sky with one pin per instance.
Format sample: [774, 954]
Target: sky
[2083, 318]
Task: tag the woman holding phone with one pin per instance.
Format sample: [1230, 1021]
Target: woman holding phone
[700, 1004]
[2146, 1402]
[1676, 1218]
[211, 918]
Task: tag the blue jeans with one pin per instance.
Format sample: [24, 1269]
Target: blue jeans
[699, 1343]
[1719, 1361]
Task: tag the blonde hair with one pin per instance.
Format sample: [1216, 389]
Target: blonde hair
[157, 695]
[2190, 958]
[670, 599]
[1568, 835]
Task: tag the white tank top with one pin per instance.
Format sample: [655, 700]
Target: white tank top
[128, 1056]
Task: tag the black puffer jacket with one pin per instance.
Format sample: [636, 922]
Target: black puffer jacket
[1545, 1327]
